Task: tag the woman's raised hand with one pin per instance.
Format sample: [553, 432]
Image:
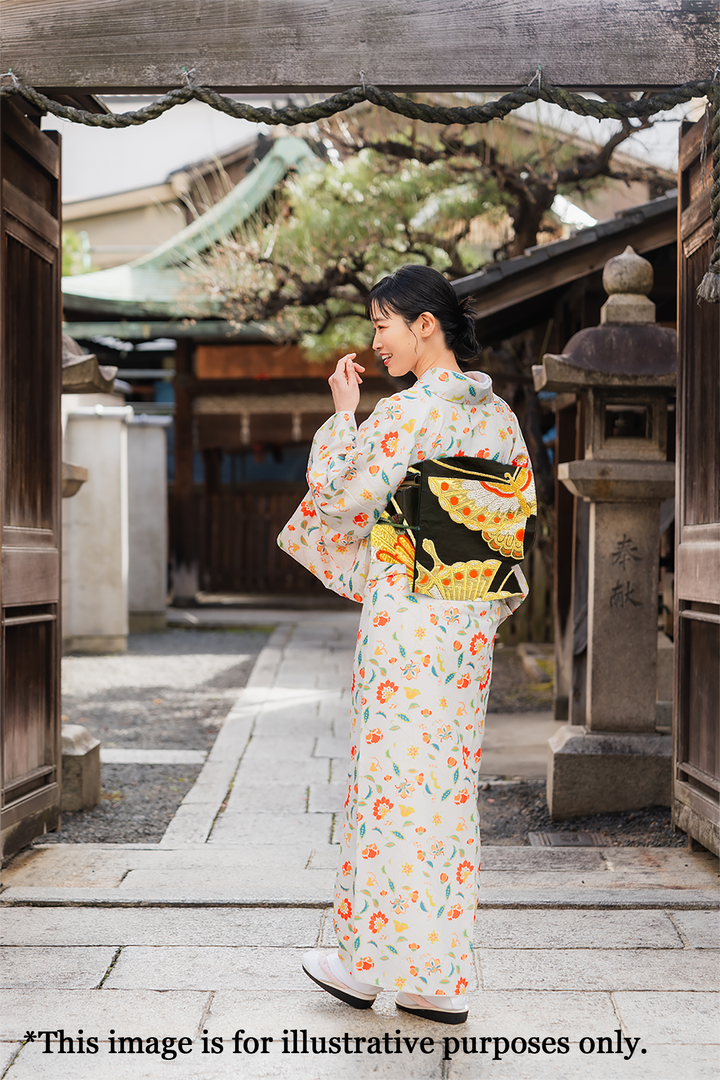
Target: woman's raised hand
[345, 383]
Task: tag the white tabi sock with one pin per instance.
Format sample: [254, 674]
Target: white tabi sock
[339, 971]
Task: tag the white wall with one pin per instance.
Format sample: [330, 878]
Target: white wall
[95, 525]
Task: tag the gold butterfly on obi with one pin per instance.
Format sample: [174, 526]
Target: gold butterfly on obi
[497, 507]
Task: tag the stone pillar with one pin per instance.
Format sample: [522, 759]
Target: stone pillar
[147, 523]
[615, 759]
[95, 526]
[622, 616]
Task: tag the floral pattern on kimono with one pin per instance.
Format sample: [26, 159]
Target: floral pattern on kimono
[410, 847]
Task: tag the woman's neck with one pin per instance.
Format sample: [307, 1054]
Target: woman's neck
[443, 358]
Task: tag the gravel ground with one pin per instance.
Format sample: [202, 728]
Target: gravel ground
[508, 814]
[511, 688]
[171, 690]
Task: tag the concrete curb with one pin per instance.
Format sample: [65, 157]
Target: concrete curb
[195, 817]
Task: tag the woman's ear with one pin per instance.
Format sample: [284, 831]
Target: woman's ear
[428, 323]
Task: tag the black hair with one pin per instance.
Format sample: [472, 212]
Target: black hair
[413, 289]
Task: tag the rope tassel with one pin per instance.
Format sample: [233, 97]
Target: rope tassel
[709, 287]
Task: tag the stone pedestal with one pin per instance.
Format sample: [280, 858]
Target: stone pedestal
[595, 772]
[80, 768]
[147, 523]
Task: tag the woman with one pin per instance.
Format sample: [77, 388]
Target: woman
[406, 886]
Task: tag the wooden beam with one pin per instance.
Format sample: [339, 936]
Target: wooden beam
[118, 46]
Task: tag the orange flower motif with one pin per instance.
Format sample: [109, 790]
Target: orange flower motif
[455, 912]
[374, 736]
[477, 755]
[414, 947]
[345, 909]
[308, 508]
[389, 444]
[361, 520]
[462, 796]
[347, 868]
[443, 878]
[464, 871]
[457, 645]
[366, 963]
[386, 690]
[478, 642]
[426, 660]
[426, 736]
[413, 970]
[381, 619]
[382, 807]
[374, 470]
[370, 852]
[452, 762]
[461, 986]
[463, 682]
[378, 921]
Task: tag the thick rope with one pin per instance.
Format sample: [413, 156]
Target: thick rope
[414, 110]
[709, 287]
[536, 90]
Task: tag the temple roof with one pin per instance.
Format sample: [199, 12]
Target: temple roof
[153, 286]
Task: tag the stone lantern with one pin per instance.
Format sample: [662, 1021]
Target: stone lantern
[625, 370]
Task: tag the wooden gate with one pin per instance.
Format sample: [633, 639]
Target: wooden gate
[30, 372]
[696, 781]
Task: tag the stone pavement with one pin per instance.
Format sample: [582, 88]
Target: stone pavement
[579, 952]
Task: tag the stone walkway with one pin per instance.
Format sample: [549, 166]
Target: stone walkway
[200, 937]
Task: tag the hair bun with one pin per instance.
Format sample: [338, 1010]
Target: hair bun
[465, 344]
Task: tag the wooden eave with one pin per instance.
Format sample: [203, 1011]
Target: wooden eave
[509, 296]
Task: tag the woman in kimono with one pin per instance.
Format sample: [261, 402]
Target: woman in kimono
[407, 879]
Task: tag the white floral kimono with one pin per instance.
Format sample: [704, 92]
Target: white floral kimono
[410, 847]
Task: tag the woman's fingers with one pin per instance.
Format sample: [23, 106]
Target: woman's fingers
[346, 368]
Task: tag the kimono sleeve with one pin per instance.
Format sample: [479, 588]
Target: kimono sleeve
[352, 472]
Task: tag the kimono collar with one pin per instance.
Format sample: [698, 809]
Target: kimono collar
[469, 387]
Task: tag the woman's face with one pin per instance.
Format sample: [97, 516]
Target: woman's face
[399, 345]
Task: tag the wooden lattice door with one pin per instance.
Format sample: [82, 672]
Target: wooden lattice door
[696, 779]
[30, 387]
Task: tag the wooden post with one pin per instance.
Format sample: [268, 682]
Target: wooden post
[184, 555]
